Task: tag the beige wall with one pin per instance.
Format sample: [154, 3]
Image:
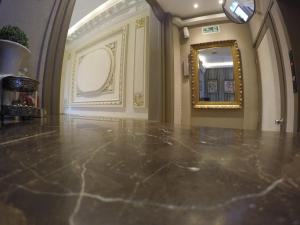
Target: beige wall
[177, 77]
[241, 119]
[155, 111]
[256, 22]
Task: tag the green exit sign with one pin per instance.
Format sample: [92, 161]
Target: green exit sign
[211, 29]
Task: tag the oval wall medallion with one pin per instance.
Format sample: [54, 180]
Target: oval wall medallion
[94, 71]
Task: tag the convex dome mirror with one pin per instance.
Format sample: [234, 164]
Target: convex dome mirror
[239, 11]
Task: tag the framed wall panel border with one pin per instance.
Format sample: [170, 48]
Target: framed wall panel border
[140, 76]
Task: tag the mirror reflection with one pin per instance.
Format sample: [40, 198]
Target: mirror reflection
[216, 75]
[216, 79]
[239, 11]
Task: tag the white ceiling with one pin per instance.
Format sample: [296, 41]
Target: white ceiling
[83, 8]
[217, 55]
[185, 9]
[181, 8]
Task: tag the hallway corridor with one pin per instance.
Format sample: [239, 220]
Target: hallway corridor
[72, 170]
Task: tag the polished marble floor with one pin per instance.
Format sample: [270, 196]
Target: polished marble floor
[81, 171]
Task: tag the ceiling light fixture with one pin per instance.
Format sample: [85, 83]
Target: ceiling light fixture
[208, 65]
[221, 2]
[196, 6]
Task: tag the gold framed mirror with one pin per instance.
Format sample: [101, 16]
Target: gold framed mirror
[217, 81]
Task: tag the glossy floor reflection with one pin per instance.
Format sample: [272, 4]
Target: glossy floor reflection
[81, 171]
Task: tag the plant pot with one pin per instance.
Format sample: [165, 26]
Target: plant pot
[13, 57]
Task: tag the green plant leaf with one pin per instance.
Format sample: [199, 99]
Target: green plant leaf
[15, 34]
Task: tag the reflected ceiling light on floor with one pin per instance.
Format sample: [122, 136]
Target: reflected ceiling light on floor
[196, 6]
[221, 2]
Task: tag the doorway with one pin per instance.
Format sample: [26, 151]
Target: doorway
[272, 83]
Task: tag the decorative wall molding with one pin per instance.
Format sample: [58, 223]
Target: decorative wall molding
[140, 75]
[126, 9]
[139, 100]
[111, 91]
[140, 23]
[108, 85]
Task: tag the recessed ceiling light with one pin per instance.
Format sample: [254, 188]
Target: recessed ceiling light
[196, 6]
[221, 2]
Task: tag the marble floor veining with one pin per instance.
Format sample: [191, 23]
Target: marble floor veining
[85, 171]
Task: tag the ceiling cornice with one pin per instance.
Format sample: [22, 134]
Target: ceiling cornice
[114, 13]
[220, 17]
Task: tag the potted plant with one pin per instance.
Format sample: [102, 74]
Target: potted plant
[13, 50]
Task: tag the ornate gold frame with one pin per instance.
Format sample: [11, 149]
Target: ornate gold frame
[238, 78]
